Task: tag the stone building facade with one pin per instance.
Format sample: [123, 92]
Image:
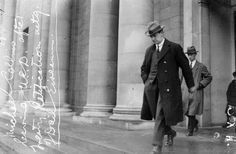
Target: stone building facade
[85, 55]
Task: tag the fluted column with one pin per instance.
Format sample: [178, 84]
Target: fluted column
[188, 23]
[7, 16]
[58, 54]
[42, 37]
[33, 52]
[197, 33]
[131, 48]
[1, 11]
[205, 56]
[45, 35]
[102, 58]
[190, 31]
[79, 54]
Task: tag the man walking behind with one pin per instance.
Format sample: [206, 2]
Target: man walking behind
[193, 103]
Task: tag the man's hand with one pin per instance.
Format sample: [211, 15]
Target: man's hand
[200, 86]
[192, 89]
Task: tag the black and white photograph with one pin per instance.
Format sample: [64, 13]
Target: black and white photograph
[118, 76]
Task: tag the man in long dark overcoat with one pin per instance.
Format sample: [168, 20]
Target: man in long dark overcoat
[162, 98]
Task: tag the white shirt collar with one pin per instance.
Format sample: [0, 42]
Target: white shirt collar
[160, 44]
[193, 63]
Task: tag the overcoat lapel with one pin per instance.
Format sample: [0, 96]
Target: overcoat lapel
[195, 68]
[164, 50]
[153, 49]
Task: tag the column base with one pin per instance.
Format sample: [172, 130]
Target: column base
[97, 111]
[19, 108]
[64, 110]
[122, 124]
[126, 114]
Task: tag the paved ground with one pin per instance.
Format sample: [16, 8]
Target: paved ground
[206, 141]
[81, 138]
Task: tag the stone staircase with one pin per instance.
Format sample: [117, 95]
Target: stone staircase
[71, 140]
[77, 137]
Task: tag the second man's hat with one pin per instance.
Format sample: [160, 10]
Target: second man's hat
[191, 50]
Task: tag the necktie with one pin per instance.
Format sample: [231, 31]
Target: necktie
[158, 49]
[191, 64]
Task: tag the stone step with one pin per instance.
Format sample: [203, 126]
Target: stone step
[75, 137]
[127, 125]
[12, 147]
[90, 145]
[63, 112]
[30, 140]
[62, 149]
[4, 146]
[72, 142]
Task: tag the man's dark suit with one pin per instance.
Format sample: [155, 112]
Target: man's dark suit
[165, 83]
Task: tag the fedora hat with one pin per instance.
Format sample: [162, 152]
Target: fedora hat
[191, 50]
[153, 28]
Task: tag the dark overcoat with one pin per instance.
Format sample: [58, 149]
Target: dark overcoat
[167, 82]
[231, 93]
[193, 103]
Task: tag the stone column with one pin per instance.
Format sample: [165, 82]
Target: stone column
[188, 23]
[205, 56]
[6, 47]
[197, 33]
[132, 44]
[79, 54]
[102, 58]
[41, 39]
[36, 50]
[189, 30]
[37, 38]
[1, 10]
[58, 55]
[45, 35]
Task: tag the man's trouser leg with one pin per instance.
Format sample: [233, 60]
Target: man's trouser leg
[159, 128]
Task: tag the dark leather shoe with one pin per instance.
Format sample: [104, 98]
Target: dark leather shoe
[170, 138]
[190, 133]
[196, 126]
[226, 125]
[156, 150]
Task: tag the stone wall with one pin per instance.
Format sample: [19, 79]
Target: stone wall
[170, 14]
[221, 59]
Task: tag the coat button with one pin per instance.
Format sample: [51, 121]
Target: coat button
[164, 62]
[168, 90]
[165, 71]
